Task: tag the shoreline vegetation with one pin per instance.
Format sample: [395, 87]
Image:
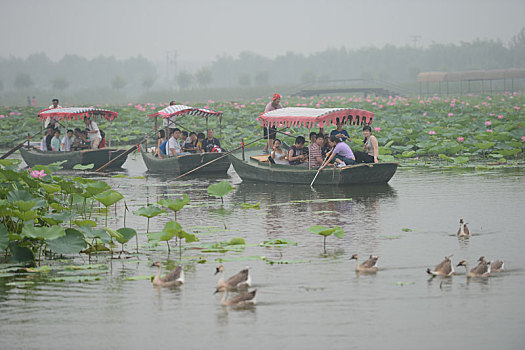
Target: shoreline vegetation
[457, 131]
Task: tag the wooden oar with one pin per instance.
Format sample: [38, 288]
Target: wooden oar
[318, 170]
[216, 159]
[17, 147]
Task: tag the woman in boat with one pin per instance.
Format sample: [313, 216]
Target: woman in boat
[278, 154]
[102, 143]
[93, 132]
[296, 154]
[55, 141]
[161, 143]
[370, 148]
[341, 152]
[67, 141]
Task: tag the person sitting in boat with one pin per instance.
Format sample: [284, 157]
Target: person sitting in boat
[184, 137]
[93, 132]
[191, 144]
[339, 131]
[55, 141]
[161, 143]
[200, 140]
[316, 157]
[341, 153]
[325, 148]
[296, 154]
[102, 143]
[81, 141]
[370, 148]
[273, 105]
[174, 148]
[67, 141]
[278, 154]
[211, 144]
[45, 145]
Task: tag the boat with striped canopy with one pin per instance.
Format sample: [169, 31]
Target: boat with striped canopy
[251, 165]
[97, 157]
[171, 117]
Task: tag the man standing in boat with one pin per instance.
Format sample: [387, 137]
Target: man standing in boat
[54, 104]
[93, 132]
[271, 106]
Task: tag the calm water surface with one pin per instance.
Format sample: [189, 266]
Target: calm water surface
[317, 300]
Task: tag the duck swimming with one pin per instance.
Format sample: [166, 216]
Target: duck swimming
[238, 281]
[241, 299]
[444, 268]
[174, 278]
[463, 230]
[482, 270]
[369, 265]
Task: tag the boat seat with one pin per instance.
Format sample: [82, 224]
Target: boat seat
[263, 158]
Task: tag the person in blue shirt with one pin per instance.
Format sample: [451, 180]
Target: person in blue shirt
[339, 132]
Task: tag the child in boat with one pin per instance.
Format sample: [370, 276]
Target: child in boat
[55, 141]
[341, 152]
[278, 154]
[296, 154]
[67, 141]
[191, 144]
[316, 158]
[200, 140]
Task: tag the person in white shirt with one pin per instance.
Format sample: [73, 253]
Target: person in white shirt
[93, 132]
[53, 105]
[174, 148]
[67, 141]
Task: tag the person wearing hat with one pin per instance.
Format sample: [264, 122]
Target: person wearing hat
[273, 105]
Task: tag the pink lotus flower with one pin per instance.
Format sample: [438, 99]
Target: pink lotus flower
[489, 130]
[523, 139]
[461, 139]
[488, 123]
[425, 114]
[380, 106]
[377, 129]
[3, 116]
[431, 132]
[37, 174]
[451, 114]
[517, 108]
[287, 132]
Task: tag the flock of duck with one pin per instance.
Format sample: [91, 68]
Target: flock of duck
[241, 281]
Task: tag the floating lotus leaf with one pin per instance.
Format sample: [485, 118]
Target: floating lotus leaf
[237, 241]
[109, 197]
[85, 222]
[149, 211]
[220, 189]
[71, 243]
[83, 167]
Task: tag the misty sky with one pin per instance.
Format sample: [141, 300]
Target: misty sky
[202, 29]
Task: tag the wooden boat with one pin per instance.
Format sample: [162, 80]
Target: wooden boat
[256, 167]
[98, 157]
[250, 165]
[186, 162]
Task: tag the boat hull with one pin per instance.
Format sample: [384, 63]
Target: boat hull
[253, 170]
[183, 164]
[98, 157]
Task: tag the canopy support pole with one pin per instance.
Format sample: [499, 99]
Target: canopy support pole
[309, 154]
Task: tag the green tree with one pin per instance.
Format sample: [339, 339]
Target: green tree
[204, 77]
[60, 83]
[184, 80]
[261, 77]
[23, 81]
[244, 79]
[147, 82]
[118, 82]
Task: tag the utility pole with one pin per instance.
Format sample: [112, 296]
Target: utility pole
[171, 64]
[415, 39]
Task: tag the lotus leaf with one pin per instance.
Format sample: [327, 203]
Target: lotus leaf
[20, 254]
[94, 188]
[237, 241]
[109, 197]
[57, 218]
[50, 188]
[114, 234]
[176, 204]
[127, 234]
[220, 189]
[149, 211]
[72, 243]
[251, 206]
[85, 223]
[47, 233]
[4, 237]
[83, 167]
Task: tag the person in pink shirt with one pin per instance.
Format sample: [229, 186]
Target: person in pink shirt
[273, 105]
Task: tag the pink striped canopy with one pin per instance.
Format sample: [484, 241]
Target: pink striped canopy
[315, 117]
[76, 112]
[175, 110]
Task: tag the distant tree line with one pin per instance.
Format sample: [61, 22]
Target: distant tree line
[395, 64]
